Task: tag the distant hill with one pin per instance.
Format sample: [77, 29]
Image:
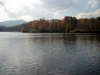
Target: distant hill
[16, 27]
[10, 23]
[3, 28]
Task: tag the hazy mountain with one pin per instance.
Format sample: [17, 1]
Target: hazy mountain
[10, 23]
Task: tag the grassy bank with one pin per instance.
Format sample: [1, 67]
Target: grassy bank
[83, 31]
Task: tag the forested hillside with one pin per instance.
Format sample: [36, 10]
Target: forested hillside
[67, 24]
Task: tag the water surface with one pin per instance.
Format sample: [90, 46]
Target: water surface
[49, 54]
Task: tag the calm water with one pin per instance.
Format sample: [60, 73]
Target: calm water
[49, 54]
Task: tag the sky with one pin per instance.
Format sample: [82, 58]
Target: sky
[29, 10]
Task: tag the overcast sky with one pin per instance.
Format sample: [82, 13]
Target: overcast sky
[35, 9]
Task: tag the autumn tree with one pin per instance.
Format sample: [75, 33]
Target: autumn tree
[68, 27]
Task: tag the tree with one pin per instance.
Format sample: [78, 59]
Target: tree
[68, 27]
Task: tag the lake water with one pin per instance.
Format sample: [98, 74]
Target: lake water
[49, 54]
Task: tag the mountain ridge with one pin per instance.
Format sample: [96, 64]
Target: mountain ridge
[10, 23]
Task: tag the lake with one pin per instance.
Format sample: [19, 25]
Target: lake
[49, 53]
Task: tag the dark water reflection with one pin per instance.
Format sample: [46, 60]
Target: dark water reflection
[49, 54]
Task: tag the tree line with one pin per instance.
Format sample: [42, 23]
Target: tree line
[88, 25]
[53, 25]
[67, 24]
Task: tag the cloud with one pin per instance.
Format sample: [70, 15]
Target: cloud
[56, 5]
[93, 3]
[3, 14]
[34, 9]
[2, 2]
[89, 15]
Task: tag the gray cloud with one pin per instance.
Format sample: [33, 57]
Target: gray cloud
[56, 5]
[47, 8]
[93, 3]
[2, 3]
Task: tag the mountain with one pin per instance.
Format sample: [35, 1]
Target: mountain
[10, 23]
